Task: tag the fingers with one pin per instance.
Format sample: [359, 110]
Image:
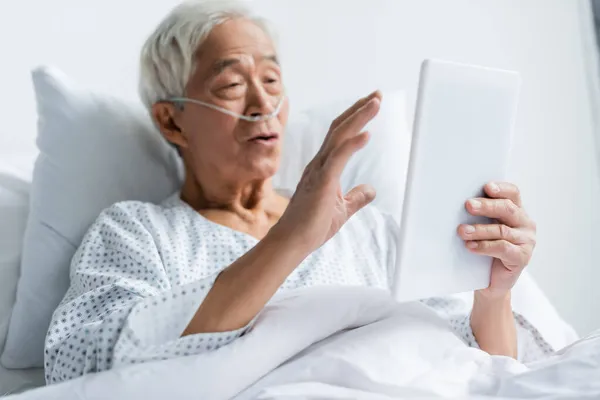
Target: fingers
[510, 254]
[351, 123]
[337, 160]
[503, 190]
[356, 121]
[495, 232]
[353, 109]
[504, 210]
[358, 197]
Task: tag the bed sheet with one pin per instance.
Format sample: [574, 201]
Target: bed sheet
[358, 343]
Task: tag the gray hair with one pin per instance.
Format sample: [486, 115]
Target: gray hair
[167, 58]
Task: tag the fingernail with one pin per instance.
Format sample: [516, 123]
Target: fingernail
[475, 204]
[370, 193]
[371, 104]
[471, 245]
[494, 188]
[468, 229]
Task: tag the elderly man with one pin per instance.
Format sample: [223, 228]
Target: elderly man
[189, 275]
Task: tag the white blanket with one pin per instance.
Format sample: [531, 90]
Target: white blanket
[350, 343]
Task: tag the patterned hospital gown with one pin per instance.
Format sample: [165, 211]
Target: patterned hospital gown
[142, 271]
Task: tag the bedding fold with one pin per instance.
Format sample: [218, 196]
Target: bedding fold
[345, 342]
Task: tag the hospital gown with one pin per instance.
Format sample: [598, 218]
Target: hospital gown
[142, 271]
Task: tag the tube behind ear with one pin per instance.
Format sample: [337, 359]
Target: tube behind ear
[179, 105]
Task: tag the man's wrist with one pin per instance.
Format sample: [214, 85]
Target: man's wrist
[282, 237]
[491, 297]
[493, 324]
[486, 307]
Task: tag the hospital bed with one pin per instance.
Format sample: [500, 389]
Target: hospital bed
[556, 126]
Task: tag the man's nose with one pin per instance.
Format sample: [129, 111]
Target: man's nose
[260, 103]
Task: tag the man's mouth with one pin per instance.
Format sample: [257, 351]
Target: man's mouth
[265, 138]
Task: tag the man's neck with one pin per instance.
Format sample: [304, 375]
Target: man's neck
[247, 199]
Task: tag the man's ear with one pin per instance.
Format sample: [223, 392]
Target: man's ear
[164, 114]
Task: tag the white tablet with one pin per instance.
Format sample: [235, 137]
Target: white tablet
[461, 140]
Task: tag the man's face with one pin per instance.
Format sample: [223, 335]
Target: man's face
[237, 69]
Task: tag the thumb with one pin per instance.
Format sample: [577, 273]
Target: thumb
[358, 197]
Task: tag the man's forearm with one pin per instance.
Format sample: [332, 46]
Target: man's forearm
[243, 288]
[493, 325]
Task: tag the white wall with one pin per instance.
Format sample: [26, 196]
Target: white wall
[337, 47]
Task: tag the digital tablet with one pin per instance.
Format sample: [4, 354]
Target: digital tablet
[461, 140]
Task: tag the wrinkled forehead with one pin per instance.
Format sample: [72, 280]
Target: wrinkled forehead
[237, 42]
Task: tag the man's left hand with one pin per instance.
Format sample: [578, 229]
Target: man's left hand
[510, 241]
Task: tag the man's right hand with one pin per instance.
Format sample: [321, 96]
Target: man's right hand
[318, 208]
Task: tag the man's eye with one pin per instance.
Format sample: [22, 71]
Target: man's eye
[232, 85]
[270, 80]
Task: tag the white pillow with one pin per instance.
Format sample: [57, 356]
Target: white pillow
[96, 150]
